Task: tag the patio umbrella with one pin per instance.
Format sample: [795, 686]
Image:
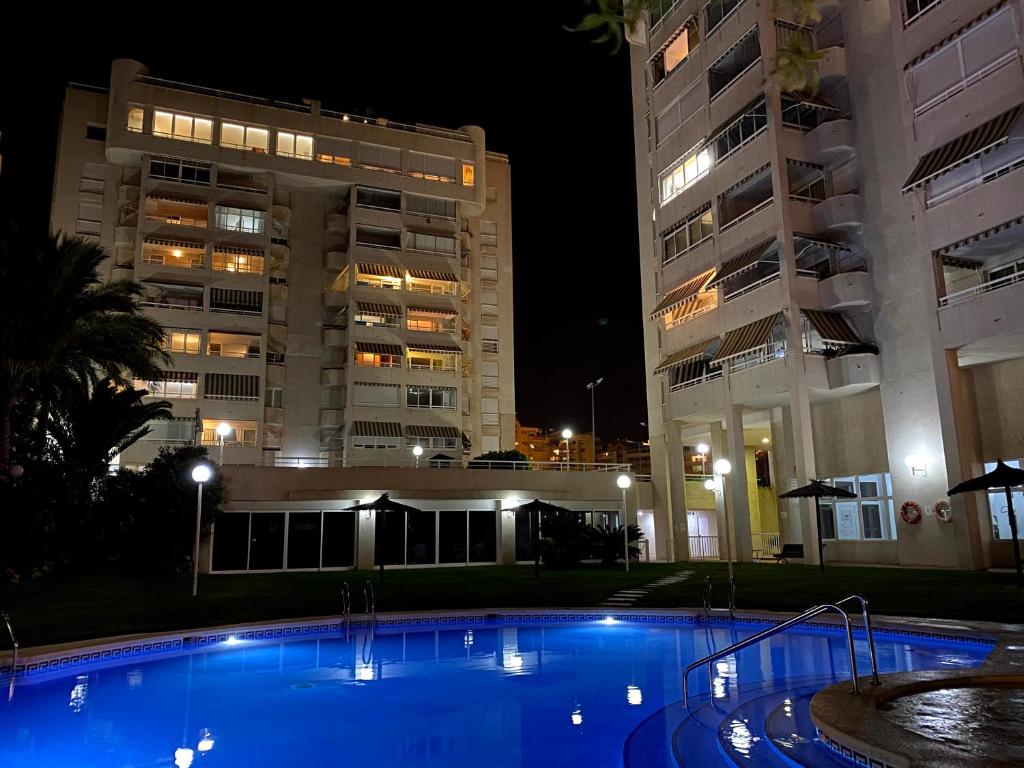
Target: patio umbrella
[817, 490]
[1005, 477]
[382, 504]
[536, 507]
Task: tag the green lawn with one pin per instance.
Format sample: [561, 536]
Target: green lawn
[56, 610]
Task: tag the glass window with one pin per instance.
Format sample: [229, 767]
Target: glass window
[295, 145]
[266, 543]
[182, 341]
[420, 538]
[525, 535]
[483, 536]
[241, 220]
[871, 519]
[740, 130]
[716, 11]
[389, 545]
[828, 521]
[230, 541]
[697, 227]
[451, 542]
[339, 544]
[136, 115]
[244, 137]
[303, 540]
[183, 127]
[870, 516]
[685, 174]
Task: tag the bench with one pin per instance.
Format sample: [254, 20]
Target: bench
[794, 551]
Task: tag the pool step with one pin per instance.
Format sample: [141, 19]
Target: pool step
[792, 734]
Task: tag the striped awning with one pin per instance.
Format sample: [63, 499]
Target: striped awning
[173, 199]
[691, 20]
[951, 37]
[373, 308]
[381, 270]
[959, 263]
[690, 371]
[748, 337]
[999, 228]
[749, 177]
[443, 348]
[812, 101]
[831, 326]
[418, 430]
[444, 312]
[175, 243]
[742, 262]
[982, 139]
[682, 293]
[430, 274]
[177, 376]
[375, 429]
[376, 348]
[683, 355]
[823, 242]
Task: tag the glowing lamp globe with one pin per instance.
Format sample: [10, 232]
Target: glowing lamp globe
[723, 467]
[201, 473]
[623, 481]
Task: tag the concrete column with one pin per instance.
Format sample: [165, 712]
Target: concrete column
[506, 535]
[366, 539]
[736, 485]
[679, 540]
[718, 449]
[790, 528]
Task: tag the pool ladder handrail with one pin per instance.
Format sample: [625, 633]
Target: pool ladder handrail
[810, 613]
[706, 603]
[14, 652]
[371, 602]
[346, 605]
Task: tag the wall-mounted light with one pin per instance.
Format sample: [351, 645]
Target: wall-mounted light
[765, 441]
[723, 466]
[709, 484]
[917, 463]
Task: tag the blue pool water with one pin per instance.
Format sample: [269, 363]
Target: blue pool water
[494, 695]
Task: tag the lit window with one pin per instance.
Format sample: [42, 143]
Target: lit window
[135, 118]
[295, 145]
[244, 137]
[468, 175]
[243, 260]
[182, 127]
[685, 174]
[378, 361]
[241, 220]
[183, 341]
[177, 386]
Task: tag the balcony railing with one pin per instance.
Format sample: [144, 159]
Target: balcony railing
[714, 373]
[765, 545]
[180, 220]
[427, 463]
[703, 547]
[764, 354]
[746, 214]
[170, 304]
[958, 297]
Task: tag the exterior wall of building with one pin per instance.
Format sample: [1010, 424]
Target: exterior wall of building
[932, 284]
[322, 194]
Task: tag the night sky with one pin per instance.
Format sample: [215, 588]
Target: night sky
[556, 103]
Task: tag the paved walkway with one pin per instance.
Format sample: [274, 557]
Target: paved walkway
[626, 597]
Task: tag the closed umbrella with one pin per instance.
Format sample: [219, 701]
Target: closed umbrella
[817, 490]
[1006, 477]
[536, 507]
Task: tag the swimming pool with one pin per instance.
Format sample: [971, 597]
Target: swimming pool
[490, 691]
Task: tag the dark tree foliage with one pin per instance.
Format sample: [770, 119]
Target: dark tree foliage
[480, 462]
[608, 544]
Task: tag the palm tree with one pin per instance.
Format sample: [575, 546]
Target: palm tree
[61, 327]
[609, 543]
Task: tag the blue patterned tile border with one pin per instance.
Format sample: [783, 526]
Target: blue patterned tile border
[849, 753]
[105, 654]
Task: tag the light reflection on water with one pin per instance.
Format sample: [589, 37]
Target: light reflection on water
[504, 696]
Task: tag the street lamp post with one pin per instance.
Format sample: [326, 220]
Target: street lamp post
[201, 473]
[223, 430]
[593, 425]
[417, 451]
[566, 435]
[723, 467]
[624, 482]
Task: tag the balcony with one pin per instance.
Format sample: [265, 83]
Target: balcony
[335, 337]
[332, 377]
[273, 415]
[848, 289]
[853, 372]
[984, 322]
[832, 69]
[830, 142]
[839, 213]
[332, 417]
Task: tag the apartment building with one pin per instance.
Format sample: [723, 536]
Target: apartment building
[336, 290]
[831, 277]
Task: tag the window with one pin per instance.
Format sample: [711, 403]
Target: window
[183, 341]
[136, 116]
[230, 386]
[247, 261]
[379, 158]
[96, 132]
[433, 443]
[801, 114]
[439, 244]
[185, 171]
[172, 125]
[331, 150]
[241, 220]
[684, 174]
[740, 130]
[917, 8]
[965, 60]
[379, 237]
[678, 50]
[430, 206]
[734, 63]
[171, 253]
[242, 433]
[376, 442]
[375, 360]
[468, 175]
[377, 316]
[432, 361]
[871, 516]
[177, 385]
[296, 145]
[372, 393]
[432, 321]
[681, 110]
[489, 233]
[983, 168]
[489, 345]
[273, 397]
[691, 233]
[378, 199]
[432, 167]
[717, 11]
[442, 398]
[171, 296]
[245, 137]
[239, 345]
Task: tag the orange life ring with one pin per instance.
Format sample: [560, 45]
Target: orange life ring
[911, 512]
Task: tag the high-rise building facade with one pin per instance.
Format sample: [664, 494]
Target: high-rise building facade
[336, 290]
[832, 276]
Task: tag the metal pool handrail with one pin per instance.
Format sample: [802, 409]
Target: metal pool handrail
[371, 602]
[14, 655]
[346, 605]
[805, 616]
